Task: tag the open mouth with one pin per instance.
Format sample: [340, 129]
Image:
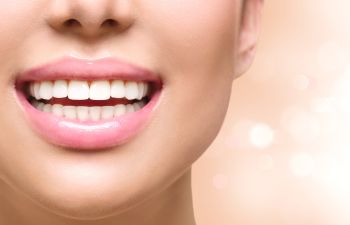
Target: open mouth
[84, 104]
[88, 100]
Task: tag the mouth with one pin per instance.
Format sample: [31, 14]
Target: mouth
[88, 105]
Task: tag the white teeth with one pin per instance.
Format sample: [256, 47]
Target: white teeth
[84, 90]
[119, 110]
[100, 90]
[107, 112]
[78, 90]
[36, 88]
[57, 110]
[95, 113]
[141, 88]
[117, 89]
[131, 90]
[60, 89]
[70, 112]
[81, 90]
[45, 90]
[83, 113]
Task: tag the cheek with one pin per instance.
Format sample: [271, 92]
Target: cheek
[192, 37]
[19, 19]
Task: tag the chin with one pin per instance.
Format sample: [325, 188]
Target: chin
[85, 202]
[88, 190]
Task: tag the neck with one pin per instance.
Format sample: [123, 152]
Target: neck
[173, 206]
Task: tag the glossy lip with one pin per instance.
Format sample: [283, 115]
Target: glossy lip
[88, 135]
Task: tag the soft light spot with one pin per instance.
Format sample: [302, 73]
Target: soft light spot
[261, 136]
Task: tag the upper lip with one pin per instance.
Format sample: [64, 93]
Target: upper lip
[70, 68]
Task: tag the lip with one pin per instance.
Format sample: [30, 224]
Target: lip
[88, 135]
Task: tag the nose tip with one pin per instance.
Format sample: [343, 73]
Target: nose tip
[90, 17]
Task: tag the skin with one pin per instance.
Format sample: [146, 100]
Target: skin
[199, 47]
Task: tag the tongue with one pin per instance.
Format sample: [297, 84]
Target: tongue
[110, 102]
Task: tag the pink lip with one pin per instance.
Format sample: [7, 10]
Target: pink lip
[87, 135]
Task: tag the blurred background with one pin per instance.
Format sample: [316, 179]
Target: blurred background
[283, 155]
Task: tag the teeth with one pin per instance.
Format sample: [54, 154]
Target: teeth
[78, 90]
[60, 89]
[95, 113]
[45, 90]
[131, 90]
[36, 88]
[84, 90]
[100, 90]
[41, 106]
[81, 90]
[130, 108]
[119, 110]
[107, 112]
[117, 89]
[47, 108]
[141, 89]
[137, 106]
[83, 113]
[70, 112]
[57, 110]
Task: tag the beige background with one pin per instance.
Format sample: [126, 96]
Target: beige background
[283, 156]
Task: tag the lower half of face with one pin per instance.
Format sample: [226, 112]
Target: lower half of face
[189, 46]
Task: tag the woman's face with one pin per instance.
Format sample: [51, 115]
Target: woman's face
[189, 46]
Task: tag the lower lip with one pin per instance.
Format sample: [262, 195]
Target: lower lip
[87, 135]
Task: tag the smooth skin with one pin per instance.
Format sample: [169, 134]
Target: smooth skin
[199, 47]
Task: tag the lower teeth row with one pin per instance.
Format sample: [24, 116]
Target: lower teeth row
[85, 113]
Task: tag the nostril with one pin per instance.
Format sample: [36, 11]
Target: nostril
[72, 23]
[110, 23]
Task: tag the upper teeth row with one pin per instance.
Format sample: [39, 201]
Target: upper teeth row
[83, 90]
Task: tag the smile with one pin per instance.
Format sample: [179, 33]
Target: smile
[83, 104]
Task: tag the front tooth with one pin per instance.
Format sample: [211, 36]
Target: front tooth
[36, 90]
[131, 90]
[100, 90]
[95, 113]
[60, 89]
[70, 112]
[119, 110]
[47, 108]
[130, 108]
[107, 112]
[57, 110]
[117, 89]
[45, 90]
[83, 113]
[78, 90]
